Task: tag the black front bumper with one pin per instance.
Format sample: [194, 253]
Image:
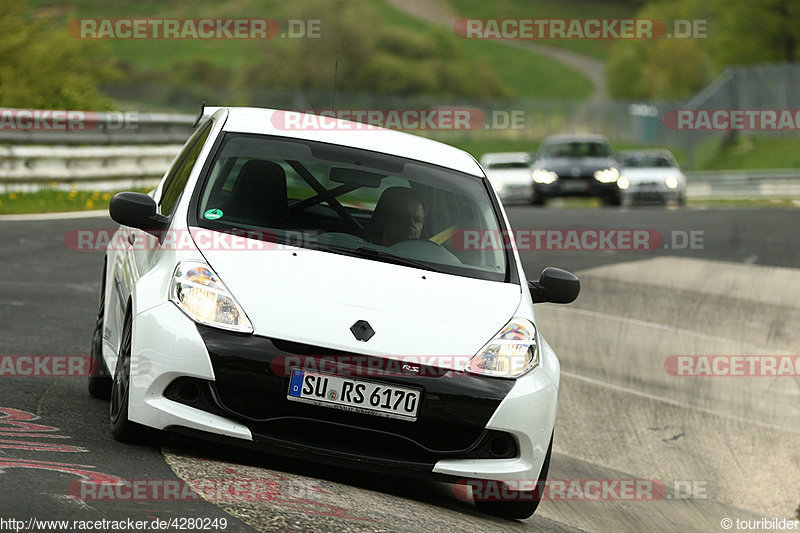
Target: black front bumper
[589, 188]
[251, 384]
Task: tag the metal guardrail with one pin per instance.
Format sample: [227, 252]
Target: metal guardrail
[718, 184]
[30, 168]
[101, 128]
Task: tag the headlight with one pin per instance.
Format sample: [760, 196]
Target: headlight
[544, 176]
[510, 354]
[199, 293]
[623, 183]
[671, 182]
[607, 175]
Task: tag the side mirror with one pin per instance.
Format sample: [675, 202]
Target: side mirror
[555, 285]
[137, 210]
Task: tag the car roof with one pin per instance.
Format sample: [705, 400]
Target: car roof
[506, 157]
[347, 133]
[577, 137]
[650, 152]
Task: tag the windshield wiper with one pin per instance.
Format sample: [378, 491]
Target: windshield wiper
[386, 257]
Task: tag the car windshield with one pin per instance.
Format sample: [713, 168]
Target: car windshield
[576, 149]
[508, 164]
[352, 202]
[646, 162]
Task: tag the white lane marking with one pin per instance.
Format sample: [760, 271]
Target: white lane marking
[671, 329]
[676, 403]
[99, 213]
[71, 499]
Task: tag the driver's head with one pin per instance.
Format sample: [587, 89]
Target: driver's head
[400, 216]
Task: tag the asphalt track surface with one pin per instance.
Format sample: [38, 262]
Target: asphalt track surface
[722, 447]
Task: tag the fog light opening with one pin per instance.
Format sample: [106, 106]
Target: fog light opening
[500, 446]
[188, 392]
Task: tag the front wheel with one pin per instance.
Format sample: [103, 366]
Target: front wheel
[122, 429]
[527, 502]
[611, 200]
[538, 200]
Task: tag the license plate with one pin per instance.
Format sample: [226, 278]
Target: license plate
[574, 185]
[356, 395]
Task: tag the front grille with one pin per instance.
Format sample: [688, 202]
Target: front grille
[250, 387]
[340, 438]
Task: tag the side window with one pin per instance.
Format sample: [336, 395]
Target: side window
[177, 181]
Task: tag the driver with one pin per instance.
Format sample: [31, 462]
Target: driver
[399, 216]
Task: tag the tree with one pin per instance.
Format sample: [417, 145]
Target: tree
[41, 66]
[740, 32]
[750, 32]
[372, 58]
[662, 69]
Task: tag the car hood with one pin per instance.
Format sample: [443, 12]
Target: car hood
[580, 166]
[314, 297]
[638, 175]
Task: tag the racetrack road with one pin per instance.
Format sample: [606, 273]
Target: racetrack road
[721, 447]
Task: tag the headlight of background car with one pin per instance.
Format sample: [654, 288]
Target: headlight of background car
[199, 293]
[623, 183]
[544, 176]
[510, 354]
[671, 182]
[608, 175]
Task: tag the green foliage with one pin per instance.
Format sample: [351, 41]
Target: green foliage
[662, 69]
[365, 36]
[41, 66]
[740, 32]
[373, 57]
[675, 69]
[753, 151]
[755, 32]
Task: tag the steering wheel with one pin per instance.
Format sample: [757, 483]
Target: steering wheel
[427, 250]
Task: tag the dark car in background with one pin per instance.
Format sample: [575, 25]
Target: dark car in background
[576, 165]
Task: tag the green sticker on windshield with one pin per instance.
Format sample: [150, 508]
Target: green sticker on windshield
[213, 214]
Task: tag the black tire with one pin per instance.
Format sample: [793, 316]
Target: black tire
[682, 200]
[519, 510]
[122, 429]
[611, 200]
[538, 200]
[99, 381]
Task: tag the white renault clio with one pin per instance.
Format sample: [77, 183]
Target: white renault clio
[310, 292]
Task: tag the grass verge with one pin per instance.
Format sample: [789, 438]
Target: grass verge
[55, 201]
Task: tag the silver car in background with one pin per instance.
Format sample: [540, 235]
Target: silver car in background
[510, 175]
[650, 176]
